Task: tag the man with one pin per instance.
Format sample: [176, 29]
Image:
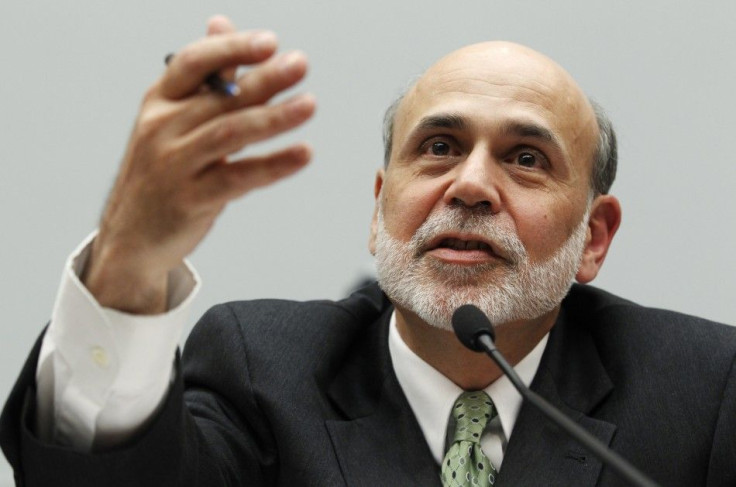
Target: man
[494, 193]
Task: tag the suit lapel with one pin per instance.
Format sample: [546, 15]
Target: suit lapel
[379, 441]
[572, 378]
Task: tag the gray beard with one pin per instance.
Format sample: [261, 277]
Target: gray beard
[510, 291]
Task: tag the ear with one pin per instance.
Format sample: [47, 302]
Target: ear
[374, 221]
[604, 220]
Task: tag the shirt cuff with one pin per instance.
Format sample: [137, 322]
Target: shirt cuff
[110, 369]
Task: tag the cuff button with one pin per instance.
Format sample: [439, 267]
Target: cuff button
[99, 356]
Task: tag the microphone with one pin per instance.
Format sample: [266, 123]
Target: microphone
[474, 330]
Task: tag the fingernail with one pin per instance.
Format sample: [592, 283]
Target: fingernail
[300, 105]
[264, 41]
[290, 62]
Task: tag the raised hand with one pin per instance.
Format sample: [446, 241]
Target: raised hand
[175, 178]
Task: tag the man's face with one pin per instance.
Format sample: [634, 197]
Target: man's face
[495, 143]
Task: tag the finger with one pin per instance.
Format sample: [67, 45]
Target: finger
[219, 24]
[223, 182]
[279, 73]
[189, 67]
[257, 86]
[231, 132]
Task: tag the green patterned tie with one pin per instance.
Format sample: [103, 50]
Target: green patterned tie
[465, 464]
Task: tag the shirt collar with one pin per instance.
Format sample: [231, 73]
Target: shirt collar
[431, 395]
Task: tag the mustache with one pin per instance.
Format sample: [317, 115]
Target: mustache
[479, 221]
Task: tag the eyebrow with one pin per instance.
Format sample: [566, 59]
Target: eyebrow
[531, 130]
[443, 120]
[458, 122]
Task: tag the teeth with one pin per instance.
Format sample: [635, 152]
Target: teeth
[457, 244]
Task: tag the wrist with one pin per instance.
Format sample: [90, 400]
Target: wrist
[120, 281]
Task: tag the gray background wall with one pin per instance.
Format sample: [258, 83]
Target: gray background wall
[73, 74]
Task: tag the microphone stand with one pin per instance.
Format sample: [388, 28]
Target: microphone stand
[607, 456]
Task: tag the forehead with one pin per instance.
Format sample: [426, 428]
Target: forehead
[495, 83]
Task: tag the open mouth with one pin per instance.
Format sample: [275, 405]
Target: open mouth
[459, 244]
[463, 249]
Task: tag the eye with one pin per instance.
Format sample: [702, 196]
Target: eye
[440, 148]
[528, 158]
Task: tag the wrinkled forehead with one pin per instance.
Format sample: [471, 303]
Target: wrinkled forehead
[514, 76]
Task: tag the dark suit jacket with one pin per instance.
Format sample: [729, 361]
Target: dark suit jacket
[285, 393]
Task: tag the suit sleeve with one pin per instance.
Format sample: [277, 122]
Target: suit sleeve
[209, 430]
[722, 468]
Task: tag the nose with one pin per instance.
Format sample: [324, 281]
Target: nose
[474, 184]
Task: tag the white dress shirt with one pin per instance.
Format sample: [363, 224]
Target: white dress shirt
[431, 396]
[102, 373]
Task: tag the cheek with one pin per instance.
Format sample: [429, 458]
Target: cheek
[406, 207]
[541, 230]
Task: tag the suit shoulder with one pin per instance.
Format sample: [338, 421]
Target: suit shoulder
[277, 328]
[585, 300]
[363, 306]
[618, 320]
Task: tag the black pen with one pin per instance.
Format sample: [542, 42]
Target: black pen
[215, 82]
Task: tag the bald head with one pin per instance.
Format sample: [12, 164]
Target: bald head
[515, 72]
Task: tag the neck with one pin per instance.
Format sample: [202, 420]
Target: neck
[470, 370]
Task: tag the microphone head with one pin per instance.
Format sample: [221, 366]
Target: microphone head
[469, 322]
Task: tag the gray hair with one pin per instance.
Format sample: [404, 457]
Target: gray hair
[605, 157]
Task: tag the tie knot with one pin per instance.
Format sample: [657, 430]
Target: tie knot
[472, 411]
